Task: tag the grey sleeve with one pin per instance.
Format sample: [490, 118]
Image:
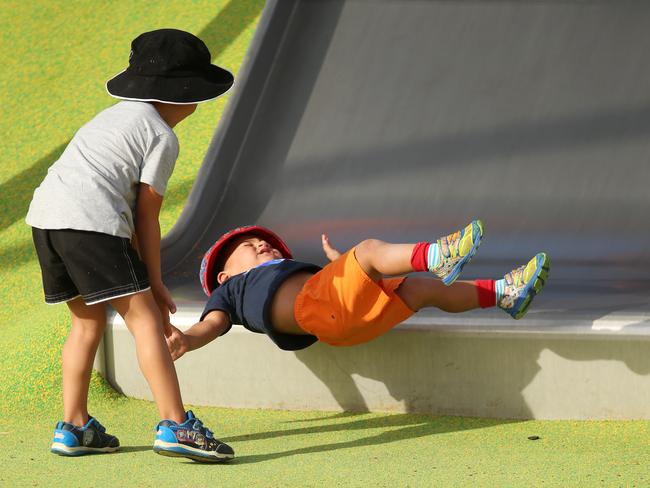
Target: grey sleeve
[158, 162]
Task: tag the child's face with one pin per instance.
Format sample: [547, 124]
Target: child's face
[247, 252]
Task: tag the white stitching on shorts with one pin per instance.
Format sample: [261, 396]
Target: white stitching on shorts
[55, 296]
[112, 297]
[128, 259]
[60, 297]
[135, 286]
[116, 292]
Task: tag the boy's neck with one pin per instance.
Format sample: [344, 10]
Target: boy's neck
[173, 114]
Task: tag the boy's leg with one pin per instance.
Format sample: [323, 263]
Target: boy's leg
[513, 293]
[378, 258]
[445, 257]
[142, 317]
[179, 433]
[88, 324]
[418, 293]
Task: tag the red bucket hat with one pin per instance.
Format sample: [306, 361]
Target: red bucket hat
[212, 264]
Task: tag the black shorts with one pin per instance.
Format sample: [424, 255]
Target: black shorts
[95, 266]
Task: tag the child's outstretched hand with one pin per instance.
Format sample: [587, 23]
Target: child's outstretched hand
[176, 343]
[330, 252]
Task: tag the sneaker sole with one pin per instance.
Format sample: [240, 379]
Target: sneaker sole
[63, 450]
[538, 281]
[178, 450]
[453, 276]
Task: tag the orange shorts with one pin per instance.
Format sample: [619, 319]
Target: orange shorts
[342, 306]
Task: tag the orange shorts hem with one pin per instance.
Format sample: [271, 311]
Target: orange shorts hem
[343, 306]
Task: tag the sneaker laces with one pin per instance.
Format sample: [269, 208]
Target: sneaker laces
[516, 277]
[198, 425]
[98, 426]
[452, 241]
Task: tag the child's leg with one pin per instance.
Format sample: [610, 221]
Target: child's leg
[378, 258]
[418, 293]
[142, 317]
[88, 324]
[445, 258]
[513, 293]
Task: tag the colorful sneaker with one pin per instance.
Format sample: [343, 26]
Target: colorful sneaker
[70, 440]
[191, 440]
[519, 287]
[455, 251]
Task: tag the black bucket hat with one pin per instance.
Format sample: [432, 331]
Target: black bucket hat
[171, 66]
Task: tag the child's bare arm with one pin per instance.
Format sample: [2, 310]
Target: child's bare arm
[212, 326]
[147, 230]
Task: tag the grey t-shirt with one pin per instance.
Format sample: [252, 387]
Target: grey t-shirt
[93, 185]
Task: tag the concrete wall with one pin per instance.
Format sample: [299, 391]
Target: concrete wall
[506, 374]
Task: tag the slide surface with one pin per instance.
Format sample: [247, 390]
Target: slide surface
[404, 120]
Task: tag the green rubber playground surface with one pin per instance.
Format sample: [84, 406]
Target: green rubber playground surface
[55, 58]
[316, 449]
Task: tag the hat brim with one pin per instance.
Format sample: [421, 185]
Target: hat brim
[193, 88]
[210, 265]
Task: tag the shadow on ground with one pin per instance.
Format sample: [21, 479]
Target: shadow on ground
[392, 428]
[17, 191]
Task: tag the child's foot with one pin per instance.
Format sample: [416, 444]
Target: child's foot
[191, 440]
[70, 440]
[517, 289]
[455, 251]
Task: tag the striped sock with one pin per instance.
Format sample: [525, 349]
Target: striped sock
[433, 256]
[499, 288]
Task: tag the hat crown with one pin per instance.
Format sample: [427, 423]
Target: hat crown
[168, 52]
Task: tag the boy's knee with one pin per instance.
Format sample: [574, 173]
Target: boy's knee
[367, 246]
[86, 331]
[364, 252]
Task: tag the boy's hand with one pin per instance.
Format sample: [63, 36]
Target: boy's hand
[330, 252]
[176, 343]
[165, 304]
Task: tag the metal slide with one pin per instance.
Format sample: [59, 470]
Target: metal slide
[404, 120]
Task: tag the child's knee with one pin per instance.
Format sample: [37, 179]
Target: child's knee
[364, 252]
[367, 246]
[89, 324]
[86, 331]
[366, 249]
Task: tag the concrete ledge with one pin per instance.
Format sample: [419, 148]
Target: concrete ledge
[589, 367]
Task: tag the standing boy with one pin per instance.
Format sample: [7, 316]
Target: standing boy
[97, 236]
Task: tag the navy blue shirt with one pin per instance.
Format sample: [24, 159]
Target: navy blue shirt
[247, 298]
